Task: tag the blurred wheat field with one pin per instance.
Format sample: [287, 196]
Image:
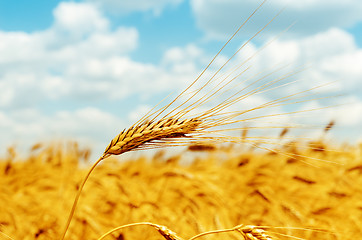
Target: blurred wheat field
[294, 190]
[220, 188]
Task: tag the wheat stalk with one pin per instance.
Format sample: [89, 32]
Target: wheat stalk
[163, 230]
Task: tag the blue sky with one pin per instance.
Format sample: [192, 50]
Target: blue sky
[84, 70]
[175, 26]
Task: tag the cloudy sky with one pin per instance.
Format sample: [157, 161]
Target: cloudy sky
[84, 70]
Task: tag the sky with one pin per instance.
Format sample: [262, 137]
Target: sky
[85, 70]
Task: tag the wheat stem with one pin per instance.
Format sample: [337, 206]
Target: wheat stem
[211, 232]
[71, 214]
[164, 231]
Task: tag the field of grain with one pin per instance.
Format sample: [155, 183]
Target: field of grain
[315, 196]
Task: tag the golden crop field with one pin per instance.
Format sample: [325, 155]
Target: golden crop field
[264, 195]
[218, 186]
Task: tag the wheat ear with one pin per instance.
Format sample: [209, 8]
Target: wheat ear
[142, 135]
[249, 232]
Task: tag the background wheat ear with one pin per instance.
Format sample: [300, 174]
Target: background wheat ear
[250, 232]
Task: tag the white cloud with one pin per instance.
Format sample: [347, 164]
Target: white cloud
[79, 18]
[88, 64]
[138, 113]
[220, 18]
[347, 117]
[124, 7]
[349, 114]
[39, 65]
[330, 56]
[188, 59]
[89, 126]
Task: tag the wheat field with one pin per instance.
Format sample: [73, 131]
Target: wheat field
[221, 188]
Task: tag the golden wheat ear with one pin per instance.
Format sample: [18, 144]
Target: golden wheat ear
[146, 134]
